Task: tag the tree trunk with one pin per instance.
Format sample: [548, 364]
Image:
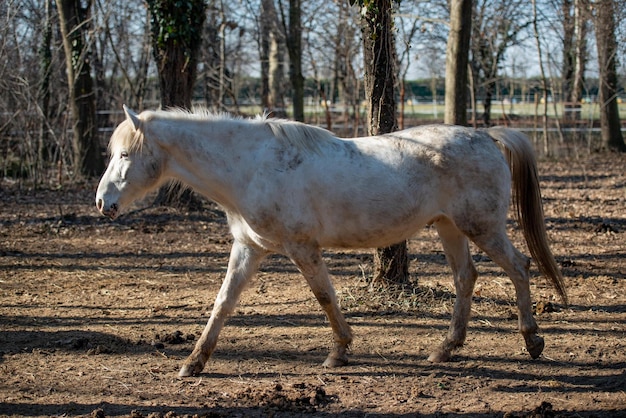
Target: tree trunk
[457, 56]
[264, 48]
[489, 89]
[88, 155]
[574, 56]
[612, 138]
[272, 61]
[544, 82]
[391, 263]
[176, 38]
[45, 62]
[569, 53]
[580, 38]
[293, 30]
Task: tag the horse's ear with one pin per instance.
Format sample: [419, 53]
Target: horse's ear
[132, 116]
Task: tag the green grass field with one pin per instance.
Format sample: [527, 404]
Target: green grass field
[588, 110]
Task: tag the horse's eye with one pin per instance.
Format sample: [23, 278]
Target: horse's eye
[124, 154]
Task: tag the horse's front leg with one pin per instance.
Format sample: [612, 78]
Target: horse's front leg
[243, 263]
[309, 261]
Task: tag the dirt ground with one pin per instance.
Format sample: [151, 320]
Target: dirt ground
[97, 316]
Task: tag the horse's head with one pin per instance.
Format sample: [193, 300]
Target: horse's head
[135, 168]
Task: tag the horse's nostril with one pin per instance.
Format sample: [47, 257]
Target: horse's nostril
[99, 204]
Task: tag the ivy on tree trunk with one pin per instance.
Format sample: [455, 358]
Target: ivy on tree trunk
[176, 38]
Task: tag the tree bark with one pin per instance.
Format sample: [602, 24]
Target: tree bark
[580, 38]
[391, 264]
[544, 82]
[457, 57]
[74, 21]
[293, 31]
[272, 61]
[574, 56]
[612, 138]
[569, 53]
[45, 63]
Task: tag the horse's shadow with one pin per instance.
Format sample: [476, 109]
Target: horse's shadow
[91, 342]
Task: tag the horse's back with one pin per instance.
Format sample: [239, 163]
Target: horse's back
[367, 192]
[444, 145]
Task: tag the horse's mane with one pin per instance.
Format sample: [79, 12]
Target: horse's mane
[300, 135]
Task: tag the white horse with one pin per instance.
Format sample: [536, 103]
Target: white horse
[294, 189]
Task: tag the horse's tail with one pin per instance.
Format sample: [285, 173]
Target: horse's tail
[527, 200]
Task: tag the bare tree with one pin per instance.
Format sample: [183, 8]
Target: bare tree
[457, 56]
[292, 27]
[124, 51]
[272, 52]
[612, 138]
[543, 77]
[344, 88]
[45, 62]
[403, 65]
[379, 56]
[575, 28]
[496, 25]
[74, 17]
[333, 46]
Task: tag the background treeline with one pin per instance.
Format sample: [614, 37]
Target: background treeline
[247, 95]
[526, 60]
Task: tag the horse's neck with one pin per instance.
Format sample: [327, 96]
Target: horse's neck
[207, 155]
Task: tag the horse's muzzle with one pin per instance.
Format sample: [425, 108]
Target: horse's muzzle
[107, 210]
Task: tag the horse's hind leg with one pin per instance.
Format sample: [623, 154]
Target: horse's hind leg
[455, 245]
[310, 263]
[516, 265]
[243, 263]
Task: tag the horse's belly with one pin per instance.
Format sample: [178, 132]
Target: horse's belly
[372, 230]
[363, 239]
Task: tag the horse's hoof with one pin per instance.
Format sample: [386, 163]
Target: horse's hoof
[439, 356]
[335, 361]
[190, 369]
[535, 345]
